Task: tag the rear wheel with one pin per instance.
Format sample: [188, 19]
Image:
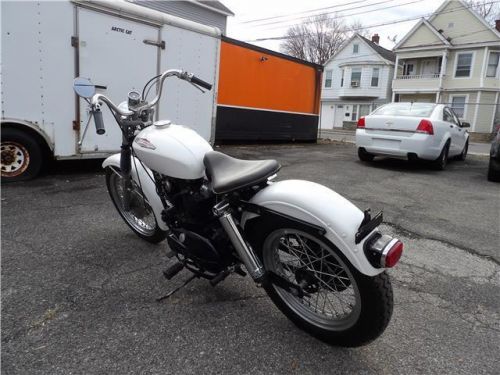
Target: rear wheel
[140, 217]
[343, 307]
[442, 161]
[365, 156]
[22, 156]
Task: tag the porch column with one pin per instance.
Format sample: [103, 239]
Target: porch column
[442, 73]
[396, 66]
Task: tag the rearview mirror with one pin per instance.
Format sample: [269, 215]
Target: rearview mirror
[465, 125]
[83, 87]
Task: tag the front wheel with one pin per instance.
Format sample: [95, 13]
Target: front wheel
[140, 217]
[342, 307]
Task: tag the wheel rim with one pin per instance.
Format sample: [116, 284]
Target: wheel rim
[335, 303]
[15, 159]
[140, 216]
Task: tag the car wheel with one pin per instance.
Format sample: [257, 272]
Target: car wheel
[494, 170]
[365, 156]
[441, 162]
[463, 155]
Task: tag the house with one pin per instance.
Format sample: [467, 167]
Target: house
[211, 13]
[452, 57]
[356, 80]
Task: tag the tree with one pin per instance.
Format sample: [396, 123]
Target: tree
[318, 38]
[487, 9]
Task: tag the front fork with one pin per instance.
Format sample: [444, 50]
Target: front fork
[243, 249]
[126, 168]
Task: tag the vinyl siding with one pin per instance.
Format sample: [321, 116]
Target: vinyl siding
[466, 27]
[423, 36]
[450, 82]
[486, 113]
[470, 109]
[189, 11]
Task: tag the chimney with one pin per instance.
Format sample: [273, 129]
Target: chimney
[376, 37]
[497, 25]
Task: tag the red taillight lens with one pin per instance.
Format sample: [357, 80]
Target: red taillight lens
[393, 255]
[361, 123]
[425, 127]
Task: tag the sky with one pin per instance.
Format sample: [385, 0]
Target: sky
[368, 12]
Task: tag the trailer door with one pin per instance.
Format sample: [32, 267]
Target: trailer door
[112, 53]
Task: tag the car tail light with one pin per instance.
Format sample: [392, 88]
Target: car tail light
[383, 251]
[425, 127]
[361, 123]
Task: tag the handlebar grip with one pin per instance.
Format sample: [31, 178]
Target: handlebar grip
[201, 83]
[99, 123]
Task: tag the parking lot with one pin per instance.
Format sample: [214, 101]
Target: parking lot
[79, 288]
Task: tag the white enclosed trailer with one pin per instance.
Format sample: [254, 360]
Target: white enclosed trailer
[116, 44]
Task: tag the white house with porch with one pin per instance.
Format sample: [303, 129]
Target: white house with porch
[356, 80]
[452, 58]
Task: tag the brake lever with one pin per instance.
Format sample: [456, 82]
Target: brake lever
[199, 88]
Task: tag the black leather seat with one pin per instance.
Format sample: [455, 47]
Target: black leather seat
[228, 174]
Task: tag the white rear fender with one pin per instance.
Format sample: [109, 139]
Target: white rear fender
[316, 204]
[142, 176]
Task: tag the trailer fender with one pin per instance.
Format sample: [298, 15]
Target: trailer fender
[318, 205]
[142, 176]
[30, 127]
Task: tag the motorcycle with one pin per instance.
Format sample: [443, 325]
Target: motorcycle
[321, 260]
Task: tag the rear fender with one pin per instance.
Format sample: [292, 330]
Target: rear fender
[320, 206]
[142, 176]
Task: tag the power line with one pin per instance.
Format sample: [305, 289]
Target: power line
[376, 25]
[315, 10]
[306, 11]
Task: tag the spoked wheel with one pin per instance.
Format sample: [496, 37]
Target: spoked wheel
[140, 217]
[342, 306]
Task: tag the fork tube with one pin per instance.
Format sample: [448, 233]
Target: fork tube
[126, 166]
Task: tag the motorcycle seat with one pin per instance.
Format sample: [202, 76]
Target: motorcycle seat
[227, 174]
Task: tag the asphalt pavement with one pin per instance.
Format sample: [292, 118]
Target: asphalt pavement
[78, 288]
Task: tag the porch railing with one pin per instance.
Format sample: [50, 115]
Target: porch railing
[419, 76]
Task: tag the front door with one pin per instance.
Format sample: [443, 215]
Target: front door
[112, 53]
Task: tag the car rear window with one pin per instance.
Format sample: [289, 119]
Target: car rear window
[405, 109]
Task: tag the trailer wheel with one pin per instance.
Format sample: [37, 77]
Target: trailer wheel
[21, 155]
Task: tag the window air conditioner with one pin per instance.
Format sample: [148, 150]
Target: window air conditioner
[354, 84]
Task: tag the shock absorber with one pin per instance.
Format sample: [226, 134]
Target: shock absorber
[244, 250]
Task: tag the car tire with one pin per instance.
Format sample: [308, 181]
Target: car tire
[441, 162]
[365, 156]
[494, 170]
[463, 155]
[22, 156]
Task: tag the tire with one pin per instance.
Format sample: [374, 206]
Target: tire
[140, 218]
[365, 156]
[463, 155]
[494, 170]
[370, 298]
[442, 161]
[21, 156]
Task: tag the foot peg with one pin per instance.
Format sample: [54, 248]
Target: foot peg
[219, 277]
[173, 270]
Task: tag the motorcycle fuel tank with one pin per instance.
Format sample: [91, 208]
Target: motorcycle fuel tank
[172, 150]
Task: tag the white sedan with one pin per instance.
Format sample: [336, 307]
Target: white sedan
[413, 131]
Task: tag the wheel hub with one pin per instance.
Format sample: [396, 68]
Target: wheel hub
[15, 159]
[307, 280]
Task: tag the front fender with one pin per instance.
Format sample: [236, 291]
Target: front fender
[316, 204]
[142, 176]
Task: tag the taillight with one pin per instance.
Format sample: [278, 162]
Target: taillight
[425, 127]
[392, 254]
[383, 251]
[361, 123]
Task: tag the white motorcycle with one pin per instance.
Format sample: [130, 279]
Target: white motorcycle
[320, 259]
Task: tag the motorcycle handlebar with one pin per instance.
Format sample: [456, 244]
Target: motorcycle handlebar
[200, 82]
[99, 123]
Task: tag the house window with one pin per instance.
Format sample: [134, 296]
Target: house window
[342, 79]
[355, 48]
[458, 105]
[355, 77]
[464, 64]
[328, 79]
[408, 69]
[492, 64]
[375, 74]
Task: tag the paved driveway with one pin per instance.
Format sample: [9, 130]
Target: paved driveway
[78, 288]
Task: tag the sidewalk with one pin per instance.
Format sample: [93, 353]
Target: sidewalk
[348, 136]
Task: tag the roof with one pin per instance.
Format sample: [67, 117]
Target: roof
[431, 27]
[385, 53]
[216, 5]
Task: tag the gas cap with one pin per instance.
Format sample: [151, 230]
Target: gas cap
[162, 123]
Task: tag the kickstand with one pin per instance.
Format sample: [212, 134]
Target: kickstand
[191, 278]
